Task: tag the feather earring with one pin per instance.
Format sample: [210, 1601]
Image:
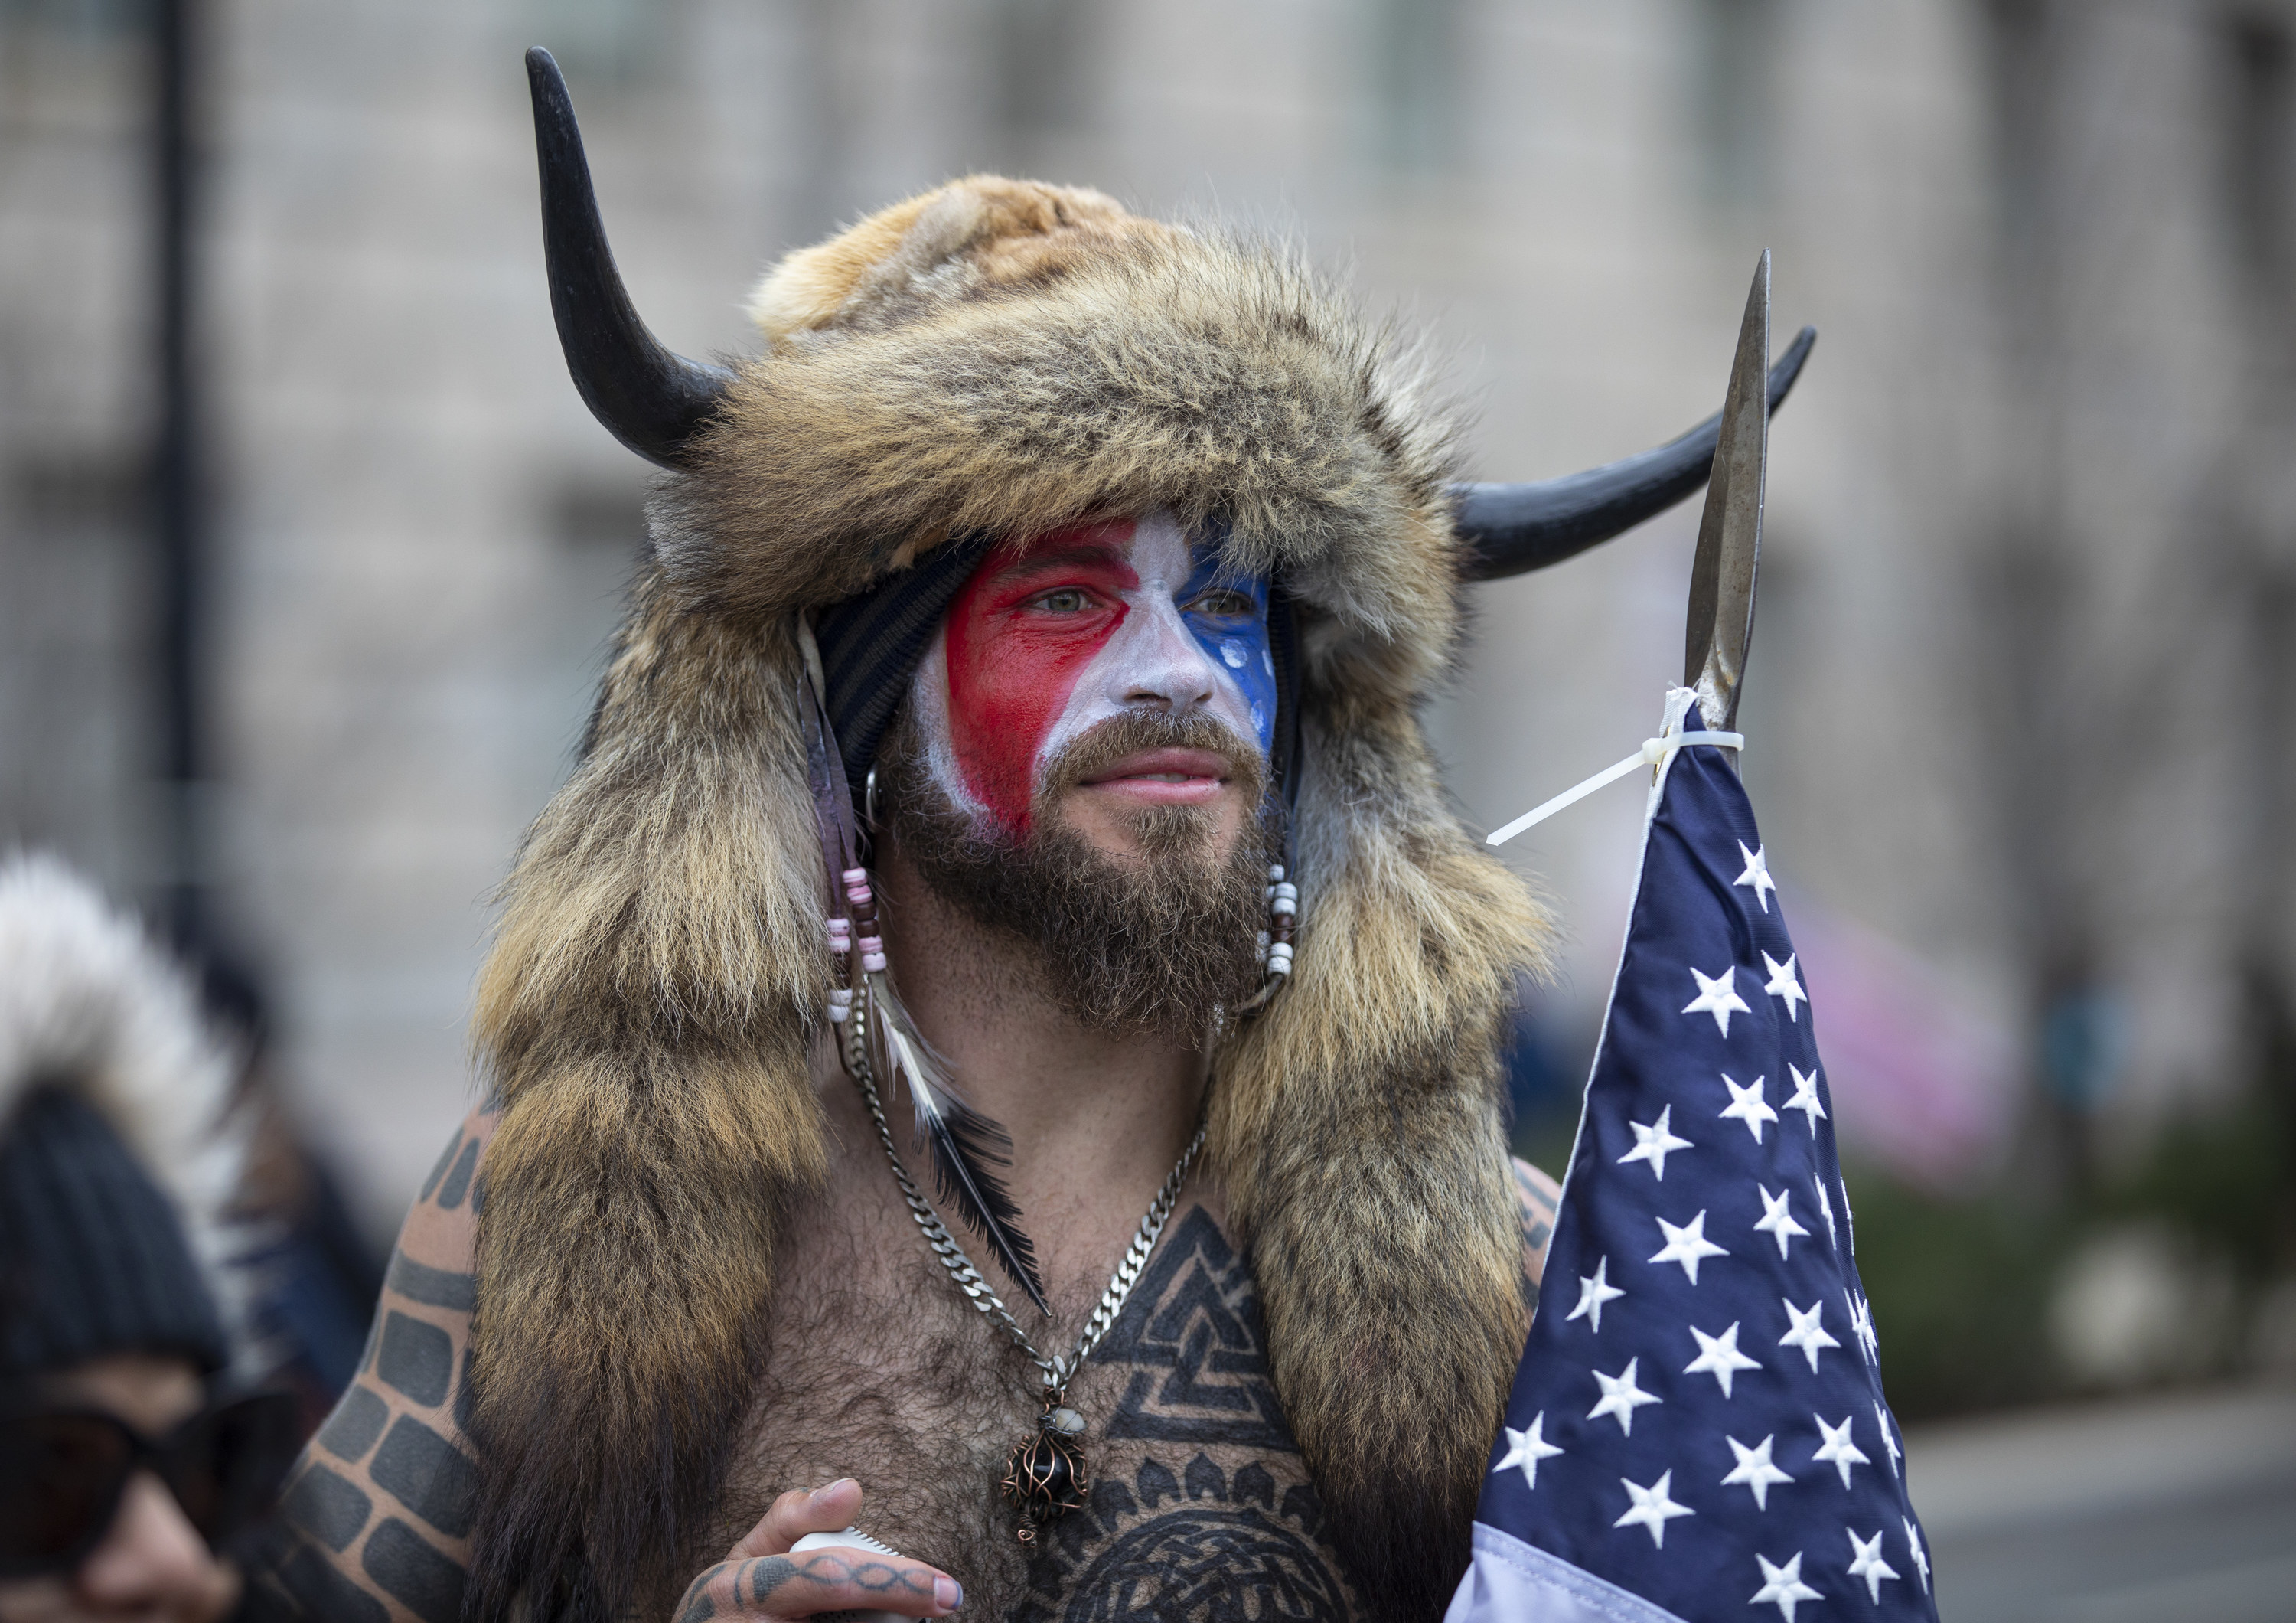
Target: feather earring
[964, 1143]
[876, 1030]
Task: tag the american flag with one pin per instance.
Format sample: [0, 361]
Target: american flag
[1697, 1430]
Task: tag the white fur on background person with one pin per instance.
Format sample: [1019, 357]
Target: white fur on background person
[90, 1003]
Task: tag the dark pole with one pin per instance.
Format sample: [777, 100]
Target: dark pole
[178, 491]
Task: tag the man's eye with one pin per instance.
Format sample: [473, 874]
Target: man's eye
[1224, 604]
[1066, 600]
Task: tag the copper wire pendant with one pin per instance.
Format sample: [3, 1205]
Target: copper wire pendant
[1044, 1476]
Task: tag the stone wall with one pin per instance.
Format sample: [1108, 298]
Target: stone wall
[2012, 705]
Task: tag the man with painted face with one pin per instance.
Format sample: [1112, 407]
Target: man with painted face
[994, 1050]
[1081, 768]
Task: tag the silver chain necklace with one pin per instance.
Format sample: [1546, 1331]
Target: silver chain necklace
[1044, 1475]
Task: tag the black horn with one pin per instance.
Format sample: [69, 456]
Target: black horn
[649, 397]
[1512, 528]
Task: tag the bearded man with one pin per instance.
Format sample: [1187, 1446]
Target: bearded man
[1005, 805]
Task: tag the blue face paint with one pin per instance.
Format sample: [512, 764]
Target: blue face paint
[1228, 615]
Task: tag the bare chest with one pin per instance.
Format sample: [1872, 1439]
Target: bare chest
[1200, 1505]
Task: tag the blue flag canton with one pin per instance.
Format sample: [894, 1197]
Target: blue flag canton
[1698, 1417]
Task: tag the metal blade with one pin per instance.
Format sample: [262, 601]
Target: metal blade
[1730, 535]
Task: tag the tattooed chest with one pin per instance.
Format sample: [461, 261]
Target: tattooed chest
[1200, 1505]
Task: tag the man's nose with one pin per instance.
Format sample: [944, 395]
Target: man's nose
[1166, 666]
[152, 1560]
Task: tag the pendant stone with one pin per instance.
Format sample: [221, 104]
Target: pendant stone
[1044, 1476]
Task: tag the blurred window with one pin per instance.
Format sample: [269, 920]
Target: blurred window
[74, 630]
[599, 529]
[1039, 66]
[92, 19]
[2019, 39]
[2260, 148]
[1737, 41]
[607, 44]
[1416, 82]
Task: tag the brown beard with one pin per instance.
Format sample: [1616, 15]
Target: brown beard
[1154, 944]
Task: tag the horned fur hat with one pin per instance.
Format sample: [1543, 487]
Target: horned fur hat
[995, 358]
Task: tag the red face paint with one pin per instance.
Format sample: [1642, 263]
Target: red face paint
[1018, 635]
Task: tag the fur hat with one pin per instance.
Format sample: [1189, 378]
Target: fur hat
[998, 357]
[121, 1158]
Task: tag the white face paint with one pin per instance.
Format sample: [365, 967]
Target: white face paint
[1089, 624]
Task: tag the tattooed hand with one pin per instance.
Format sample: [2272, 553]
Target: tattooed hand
[761, 1579]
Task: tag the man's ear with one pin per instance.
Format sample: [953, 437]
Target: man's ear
[900, 756]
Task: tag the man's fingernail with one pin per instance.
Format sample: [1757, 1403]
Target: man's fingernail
[819, 1493]
[948, 1594]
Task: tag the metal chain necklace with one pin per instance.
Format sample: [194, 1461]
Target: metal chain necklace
[1044, 1475]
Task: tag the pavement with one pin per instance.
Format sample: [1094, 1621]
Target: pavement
[2170, 1509]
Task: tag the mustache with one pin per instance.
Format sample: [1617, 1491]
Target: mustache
[1092, 753]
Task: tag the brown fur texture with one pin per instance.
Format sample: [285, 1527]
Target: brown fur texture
[1005, 358]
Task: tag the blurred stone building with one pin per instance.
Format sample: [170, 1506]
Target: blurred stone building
[2031, 571]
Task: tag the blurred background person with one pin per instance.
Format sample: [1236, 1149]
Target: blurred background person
[133, 1456]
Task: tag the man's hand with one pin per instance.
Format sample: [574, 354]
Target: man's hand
[761, 1579]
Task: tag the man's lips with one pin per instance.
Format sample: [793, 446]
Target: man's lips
[1164, 777]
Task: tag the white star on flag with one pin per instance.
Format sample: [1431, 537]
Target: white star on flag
[1747, 1105]
[1652, 1508]
[1717, 995]
[1868, 1563]
[1781, 1586]
[1754, 1469]
[1861, 1326]
[1757, 874]
[1654, 1143]
[1806, 1334]
[1838, 1451]
[1778, 1219]
[1594, 1290]
[1719, 1356]
[1621, 1397]
[1784, 984]
[1526, 1449]
[1889, 1443]
[1687, 1245]
[1921, 1556]
[1826, 1206]
[1805, 1097]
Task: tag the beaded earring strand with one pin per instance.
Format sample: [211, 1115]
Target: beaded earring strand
[866, 1009]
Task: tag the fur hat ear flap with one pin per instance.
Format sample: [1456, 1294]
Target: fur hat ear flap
[1356, 1125]
[646, 1016]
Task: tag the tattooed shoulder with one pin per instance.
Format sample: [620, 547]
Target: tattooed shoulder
[378, 1510]
[1536, 1195]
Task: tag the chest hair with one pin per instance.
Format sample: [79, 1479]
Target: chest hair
[1201, 1507]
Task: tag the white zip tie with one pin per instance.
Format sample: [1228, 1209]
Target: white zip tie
[1654, 752]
